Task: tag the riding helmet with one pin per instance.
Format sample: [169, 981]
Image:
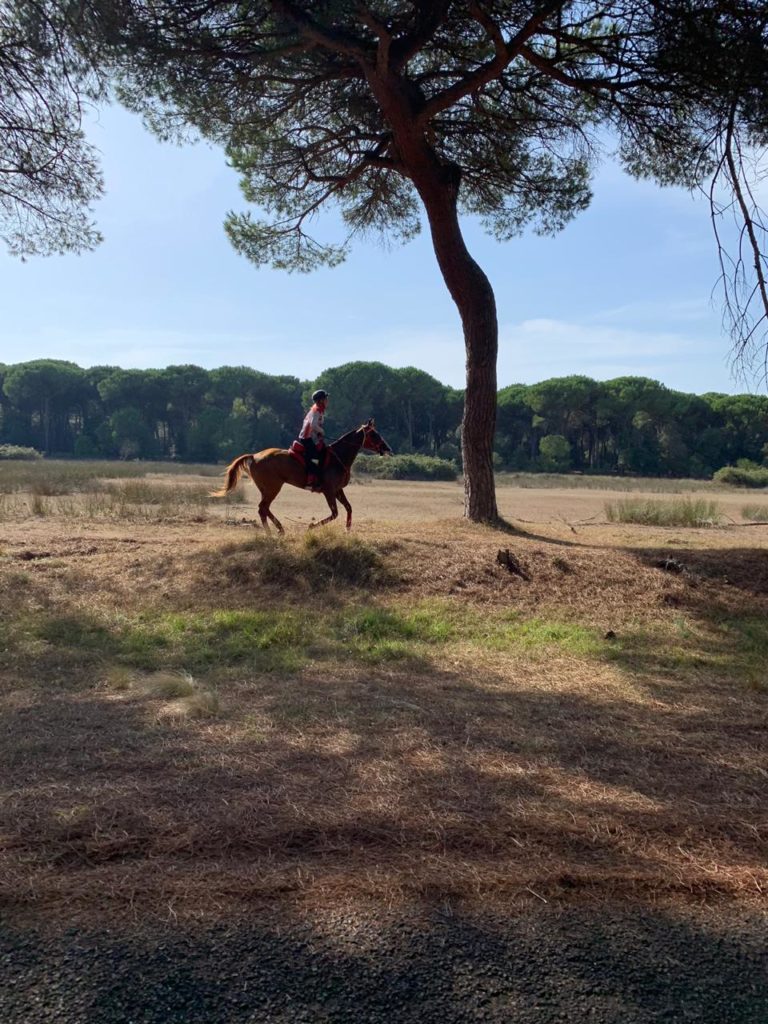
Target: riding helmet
[319, 396]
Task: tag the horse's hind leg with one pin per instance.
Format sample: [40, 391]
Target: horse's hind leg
[268, 495]
[276, 521]
[266, 515]
[343, 499]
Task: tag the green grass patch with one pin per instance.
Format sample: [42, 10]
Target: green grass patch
[261, 640]
[649, 512]
[422, 624]
[511, 632]
[377, 634]
[693, 652]
[749, 648]
[284, 640]
[265, 640]
[84, 634]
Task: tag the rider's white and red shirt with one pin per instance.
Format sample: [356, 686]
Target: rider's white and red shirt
[313, 426]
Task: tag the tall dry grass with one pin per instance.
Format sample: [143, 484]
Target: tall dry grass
[579, 481]
[693, 512]
[755, 513]
[50, 477]
[132, 499]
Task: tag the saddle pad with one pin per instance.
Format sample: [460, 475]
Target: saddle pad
[297, 451]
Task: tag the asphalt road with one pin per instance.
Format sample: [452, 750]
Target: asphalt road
[539, 967]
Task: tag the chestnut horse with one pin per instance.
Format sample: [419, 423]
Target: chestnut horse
[274, 467]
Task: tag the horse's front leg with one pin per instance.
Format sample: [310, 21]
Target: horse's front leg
[343, 499]
[330, 497]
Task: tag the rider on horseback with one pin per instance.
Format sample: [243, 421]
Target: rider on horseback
[312, 436]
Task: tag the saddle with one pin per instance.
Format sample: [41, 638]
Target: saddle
[297, 451]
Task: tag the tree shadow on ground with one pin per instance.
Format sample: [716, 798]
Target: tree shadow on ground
[428, 791]
[394, 784]
[743, 570]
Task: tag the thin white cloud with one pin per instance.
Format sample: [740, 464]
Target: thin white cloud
[144, 348]
[559, 336]
[536, 349]
[529, 351]
[655, 311]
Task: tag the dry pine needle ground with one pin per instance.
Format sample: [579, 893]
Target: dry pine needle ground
[196, 718]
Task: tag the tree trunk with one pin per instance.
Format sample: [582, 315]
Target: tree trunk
[437, 184]
[47, 425]
[474, 298]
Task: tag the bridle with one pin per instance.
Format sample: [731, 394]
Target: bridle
[381, 445]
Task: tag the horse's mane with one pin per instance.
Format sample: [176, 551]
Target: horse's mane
[348, 436]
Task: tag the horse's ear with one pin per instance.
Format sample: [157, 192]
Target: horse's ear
[370, 423]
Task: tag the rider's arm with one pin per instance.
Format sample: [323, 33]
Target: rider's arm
[307, 425]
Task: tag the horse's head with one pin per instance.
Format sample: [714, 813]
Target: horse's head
[373, 441]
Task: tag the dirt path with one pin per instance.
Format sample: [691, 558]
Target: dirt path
[376, 501]
[602, 966]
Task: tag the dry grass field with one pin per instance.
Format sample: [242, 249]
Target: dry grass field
[196, 719]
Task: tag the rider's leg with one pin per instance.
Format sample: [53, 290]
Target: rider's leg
[310, 456]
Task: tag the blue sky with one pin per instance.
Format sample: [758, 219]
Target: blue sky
[627, 288]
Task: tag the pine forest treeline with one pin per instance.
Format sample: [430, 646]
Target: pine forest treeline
[627, 425]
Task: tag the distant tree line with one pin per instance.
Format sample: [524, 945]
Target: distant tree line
[192, 414]
[628, 425]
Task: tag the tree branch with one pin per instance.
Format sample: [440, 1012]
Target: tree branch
[738, 304]
[431, 15]
[330, 39]
[505, 53]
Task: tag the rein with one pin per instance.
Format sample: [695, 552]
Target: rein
[350, 444]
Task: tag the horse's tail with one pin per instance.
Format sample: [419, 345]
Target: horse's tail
[234, 471]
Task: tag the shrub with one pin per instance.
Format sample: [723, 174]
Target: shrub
[647, 512]
[450, 452]
[315, 559]
[343, 559]
[407, 467]
[17, 451]
[554, 453]
[738, 476]
[86, 448]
